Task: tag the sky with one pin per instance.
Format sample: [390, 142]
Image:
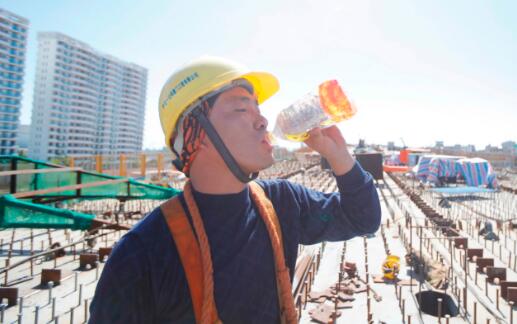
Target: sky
[417, 71]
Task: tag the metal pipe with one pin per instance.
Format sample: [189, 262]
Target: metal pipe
[86, 310]
[20, 304]
[2, 310]
[53, 307]
[403, 308]
[72, 315]
[80, 293]
[36, 314]
[497, 299]
[50, 284]
[511, 312]
[439, 310]
[475, 312]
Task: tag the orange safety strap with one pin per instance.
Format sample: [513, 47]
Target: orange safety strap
[197, 262]
[190, 254]
[288, 314]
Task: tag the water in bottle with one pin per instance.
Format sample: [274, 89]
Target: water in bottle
[328, 106]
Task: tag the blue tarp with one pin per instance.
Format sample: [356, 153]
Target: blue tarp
[431, 167]
[461, 190]
[477, 172]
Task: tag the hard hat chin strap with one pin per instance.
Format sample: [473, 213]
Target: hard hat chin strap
[221, 148]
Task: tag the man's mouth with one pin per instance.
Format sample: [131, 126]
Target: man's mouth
[267, 141]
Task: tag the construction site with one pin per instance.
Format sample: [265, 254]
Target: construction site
[452, 256]
[144, 154]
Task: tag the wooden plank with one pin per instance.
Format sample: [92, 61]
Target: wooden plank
[471, 253]
[461, 242]
[103, 252]
[511, 294]
[36, 171]
[504, 288]
[66, 188]
[48, 275]
[11, 293]
[88, 258]
[482, 263]
[495, 272]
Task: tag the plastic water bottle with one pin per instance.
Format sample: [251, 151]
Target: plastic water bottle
[326, 107]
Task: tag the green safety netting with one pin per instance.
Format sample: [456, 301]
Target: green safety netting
[131, 189]
[22, 213]
[15, 213]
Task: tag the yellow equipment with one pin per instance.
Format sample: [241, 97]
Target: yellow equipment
[189, 85]
[391, 267]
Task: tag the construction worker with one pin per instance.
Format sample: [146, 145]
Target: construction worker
[225, 249]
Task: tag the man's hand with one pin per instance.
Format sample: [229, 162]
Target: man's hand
[329, 142]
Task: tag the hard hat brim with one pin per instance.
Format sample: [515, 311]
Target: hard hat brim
[264, 84]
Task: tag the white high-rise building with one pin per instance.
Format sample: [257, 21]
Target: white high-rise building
[23, 138]
[85, 102]
[13, 44]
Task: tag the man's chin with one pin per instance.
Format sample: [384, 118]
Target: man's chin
[262, 166]
[269, 164]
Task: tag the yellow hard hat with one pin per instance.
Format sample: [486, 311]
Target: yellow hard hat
[391, 267]
[192, 82]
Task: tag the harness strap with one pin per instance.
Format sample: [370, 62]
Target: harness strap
[197, 262]
[190, 254]
[288, 312]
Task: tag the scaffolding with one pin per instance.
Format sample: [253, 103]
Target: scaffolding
[29, 187]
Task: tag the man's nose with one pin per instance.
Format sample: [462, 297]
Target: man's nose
[261, 123]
